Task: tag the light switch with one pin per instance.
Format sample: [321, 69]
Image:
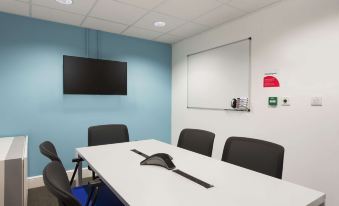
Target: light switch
[285, 101]
[316, 101]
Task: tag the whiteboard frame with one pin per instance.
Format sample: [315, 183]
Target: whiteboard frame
[249, 80]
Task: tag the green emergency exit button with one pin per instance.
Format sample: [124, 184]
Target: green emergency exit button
[273, 101]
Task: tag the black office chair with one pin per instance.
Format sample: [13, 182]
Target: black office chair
[195, 140]
[258, 155]
[107, 134]
[47, 149]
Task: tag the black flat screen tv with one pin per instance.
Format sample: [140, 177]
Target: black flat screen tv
[94, 76]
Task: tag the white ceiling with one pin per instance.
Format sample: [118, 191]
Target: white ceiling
[184, 18]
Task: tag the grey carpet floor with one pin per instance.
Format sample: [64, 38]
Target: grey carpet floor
[42, 197]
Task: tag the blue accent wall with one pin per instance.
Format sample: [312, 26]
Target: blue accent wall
[31, 87]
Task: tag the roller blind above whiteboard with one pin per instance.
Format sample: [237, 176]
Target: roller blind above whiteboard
[219, 75]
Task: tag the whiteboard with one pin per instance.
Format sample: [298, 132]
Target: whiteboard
[216, 76]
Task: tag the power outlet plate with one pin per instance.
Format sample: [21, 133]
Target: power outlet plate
[285, 101]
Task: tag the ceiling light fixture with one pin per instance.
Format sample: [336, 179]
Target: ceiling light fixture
[66, 2]
[159, 24]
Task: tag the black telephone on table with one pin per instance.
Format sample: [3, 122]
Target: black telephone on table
[159, 159]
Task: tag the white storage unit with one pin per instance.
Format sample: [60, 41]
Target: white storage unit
[13, 171]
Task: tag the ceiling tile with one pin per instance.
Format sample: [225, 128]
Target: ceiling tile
[103, 25]
[224, 1]
[146, 4]
[219, 15]
[188, 30]
[117, 12]
[168, 38]
[141, 33]
[250, 5]
[116, 15]
[56, 15]
[14, 7]
[187, 9]
[78, 6]
[147, 22]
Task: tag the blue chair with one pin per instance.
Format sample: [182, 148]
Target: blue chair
[95, 193]
[56, 181]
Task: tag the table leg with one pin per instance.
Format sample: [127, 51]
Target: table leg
[79, 180]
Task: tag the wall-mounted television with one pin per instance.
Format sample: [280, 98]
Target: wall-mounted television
[94, 76]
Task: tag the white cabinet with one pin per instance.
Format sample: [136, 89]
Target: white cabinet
[13, 171]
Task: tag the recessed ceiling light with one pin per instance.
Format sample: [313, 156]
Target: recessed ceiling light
[67, 2]
[159, 24]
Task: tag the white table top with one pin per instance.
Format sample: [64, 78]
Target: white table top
[140, 185]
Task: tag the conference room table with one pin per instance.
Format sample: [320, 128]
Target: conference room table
[144, 185]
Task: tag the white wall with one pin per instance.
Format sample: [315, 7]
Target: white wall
[299, 39]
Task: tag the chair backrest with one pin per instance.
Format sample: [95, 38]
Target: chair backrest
[56, 181]
[107, 134]
[196, 140]
[258, 155]
[47, 149]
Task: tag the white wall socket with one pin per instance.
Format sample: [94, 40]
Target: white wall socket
[285, 101]
[316, 101]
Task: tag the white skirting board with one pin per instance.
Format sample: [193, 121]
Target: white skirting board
[37, 181]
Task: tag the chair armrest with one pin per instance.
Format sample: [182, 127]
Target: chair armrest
[77, 159]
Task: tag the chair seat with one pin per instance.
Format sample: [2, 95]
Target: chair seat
[105, 196]
[81, 193]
